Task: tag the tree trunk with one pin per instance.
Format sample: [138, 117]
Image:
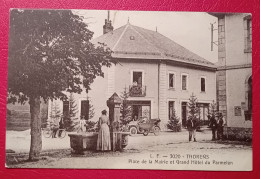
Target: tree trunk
[36, 136]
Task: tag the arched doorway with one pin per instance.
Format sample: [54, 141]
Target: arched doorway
[248, 112]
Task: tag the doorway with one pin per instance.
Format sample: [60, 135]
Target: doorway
[184, 113]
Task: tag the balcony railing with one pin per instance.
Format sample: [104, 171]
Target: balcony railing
[137, 91]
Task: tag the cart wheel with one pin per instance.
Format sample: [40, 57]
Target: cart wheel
[133, 130]
[47, 133]
[156, 130]
[146, 132]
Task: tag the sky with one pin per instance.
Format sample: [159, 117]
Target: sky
[189, 29]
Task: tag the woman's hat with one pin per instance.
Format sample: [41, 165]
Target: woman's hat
[104, 111]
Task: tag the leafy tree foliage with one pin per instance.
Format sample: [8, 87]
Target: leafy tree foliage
[50, 53]
[193, 109]
[125, 108]
[173, 124]
[70, 117]
[213, 111]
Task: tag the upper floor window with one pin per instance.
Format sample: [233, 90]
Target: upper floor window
[203, 84]
[184, 81]
[248, 33]
[137, 87]
[171, 78]
[137, 78]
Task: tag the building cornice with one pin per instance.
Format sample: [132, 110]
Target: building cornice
[231, 67]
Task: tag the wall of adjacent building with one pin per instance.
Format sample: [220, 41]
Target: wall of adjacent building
[236, 90]
[235, 40]
[234, 69]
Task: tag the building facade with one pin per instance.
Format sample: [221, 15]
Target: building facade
[234, 73]
[159, 75]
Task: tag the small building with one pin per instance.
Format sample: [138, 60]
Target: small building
[234, 72]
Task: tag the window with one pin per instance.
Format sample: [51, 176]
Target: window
[171, 77]
[184, 82]
[203, 84]
[171, 110]
[84, 110]
[248, 112]
[137, 78]
[248, 33]
[66, 108]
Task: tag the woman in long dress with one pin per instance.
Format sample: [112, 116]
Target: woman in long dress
[103, 142]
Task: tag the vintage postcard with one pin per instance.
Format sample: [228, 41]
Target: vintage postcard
[114, 89]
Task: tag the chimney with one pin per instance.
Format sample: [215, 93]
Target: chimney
[108, 24]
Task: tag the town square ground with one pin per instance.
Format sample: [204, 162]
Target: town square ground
[170, 151]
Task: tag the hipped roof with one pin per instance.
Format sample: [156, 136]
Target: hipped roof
[134, 42]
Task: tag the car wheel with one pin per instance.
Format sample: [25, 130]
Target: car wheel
[133, 130]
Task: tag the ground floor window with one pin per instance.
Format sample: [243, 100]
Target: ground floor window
[184, 111]
[84, 109]
[203, 113]
[170, 109]
[66, 108]
[141, 109]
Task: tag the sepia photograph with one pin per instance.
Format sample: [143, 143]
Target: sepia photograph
[109, 89]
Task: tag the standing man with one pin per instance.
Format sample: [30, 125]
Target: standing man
[192, 127]
[213, 126]
[220, 126]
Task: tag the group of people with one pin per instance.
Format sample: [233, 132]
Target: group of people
[216, 125]
[55, 125]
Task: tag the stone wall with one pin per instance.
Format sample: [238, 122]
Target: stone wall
[221, 74]
[238, 133]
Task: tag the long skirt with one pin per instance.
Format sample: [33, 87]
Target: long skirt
[103, 141]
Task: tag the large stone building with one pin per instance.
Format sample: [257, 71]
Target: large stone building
[159, 74]
[234, 72]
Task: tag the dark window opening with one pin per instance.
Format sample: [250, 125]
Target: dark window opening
[137, 78]
[66, 108]
[248, 33]
[171, 80]
[184, 113]
[202, 84]
[248, 113]
[184, 82]
[171, 109]
[84, 112]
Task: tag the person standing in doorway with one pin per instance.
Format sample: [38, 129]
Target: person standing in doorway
[103, 141]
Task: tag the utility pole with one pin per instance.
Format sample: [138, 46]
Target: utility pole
[212, 36]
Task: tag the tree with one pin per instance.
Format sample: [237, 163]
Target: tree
[213, 111]
[125, 108]
[50, 53]
[193, 109]
[91, 110]
[173, 124]
[70, 117]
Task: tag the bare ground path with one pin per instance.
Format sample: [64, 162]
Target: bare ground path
[56, 152]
